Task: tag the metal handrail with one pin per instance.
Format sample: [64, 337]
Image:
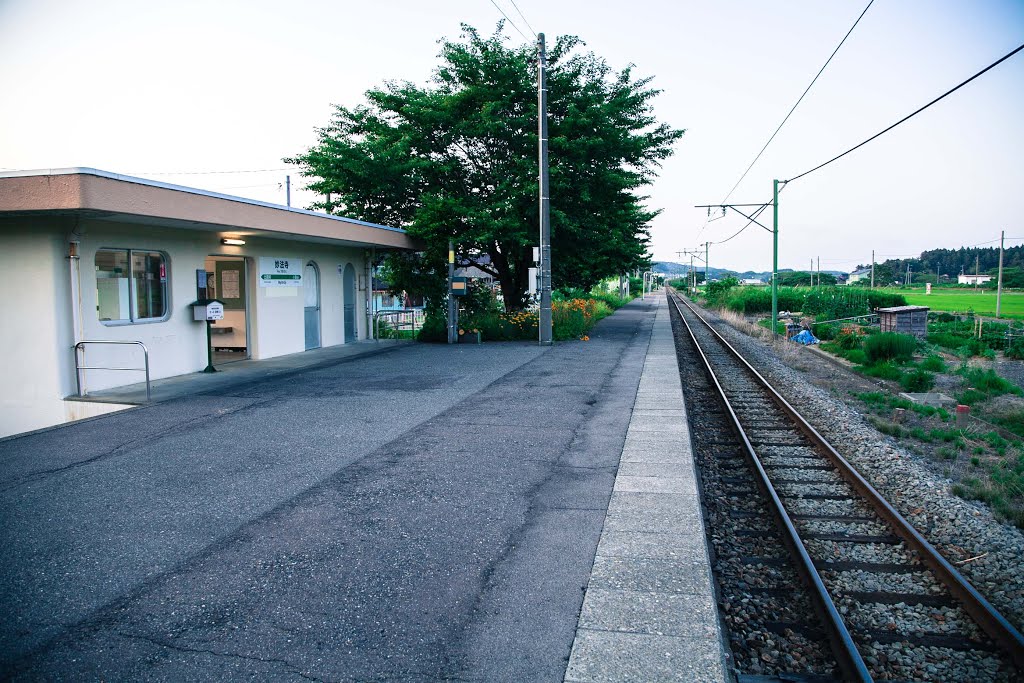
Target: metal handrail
[416, 313]
[80, 346]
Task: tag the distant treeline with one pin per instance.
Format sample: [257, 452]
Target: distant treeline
[949, 263]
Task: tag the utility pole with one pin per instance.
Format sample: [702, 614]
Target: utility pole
[811, 272]
[872, 269]
[544, 318]
[775, 240]
[819, 271]
[999, 282]
[288, 190]
[453, 306]
[707, 264]
[977, 271]
[775, 258]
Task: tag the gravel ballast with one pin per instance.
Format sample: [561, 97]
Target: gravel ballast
[986, 551]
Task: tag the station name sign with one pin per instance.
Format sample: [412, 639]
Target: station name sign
[280, 272]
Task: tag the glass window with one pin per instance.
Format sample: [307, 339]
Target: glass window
[131, 286]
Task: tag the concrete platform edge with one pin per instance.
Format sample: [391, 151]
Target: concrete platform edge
[649, 611]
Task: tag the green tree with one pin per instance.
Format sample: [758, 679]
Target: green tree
[803, 278]
[457, 159]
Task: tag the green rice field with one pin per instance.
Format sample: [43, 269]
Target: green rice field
[982, 302]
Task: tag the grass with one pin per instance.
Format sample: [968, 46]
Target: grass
[992, 469]
[982, 301]
[1001, 486]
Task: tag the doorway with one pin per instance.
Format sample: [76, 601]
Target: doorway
[226, 280]
[311, 285]
[349, 302]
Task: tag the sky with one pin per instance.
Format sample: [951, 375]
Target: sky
[177, 90]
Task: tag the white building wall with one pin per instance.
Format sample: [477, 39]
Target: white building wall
[36, 339]
[35, 328]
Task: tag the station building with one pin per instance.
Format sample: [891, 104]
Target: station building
[91, 256]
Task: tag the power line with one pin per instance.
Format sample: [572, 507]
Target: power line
[512, 23]
[524, 18]
[255, 170]
[801, 99]
[909, 116]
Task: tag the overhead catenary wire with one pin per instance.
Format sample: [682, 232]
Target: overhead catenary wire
[253, 170]
[523, 17]
[509, 20]
[911, 115]
[797, 104]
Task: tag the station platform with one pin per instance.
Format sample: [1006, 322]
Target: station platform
[501, 512]
[649, 612]
[236, 372]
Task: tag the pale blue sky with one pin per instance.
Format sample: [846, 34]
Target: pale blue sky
[148, 88]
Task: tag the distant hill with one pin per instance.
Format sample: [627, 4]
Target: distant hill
[671, 268]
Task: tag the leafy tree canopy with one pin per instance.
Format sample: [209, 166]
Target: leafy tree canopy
[457, 159]
[805, 278]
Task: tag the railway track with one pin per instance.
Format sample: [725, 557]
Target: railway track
[806, 552]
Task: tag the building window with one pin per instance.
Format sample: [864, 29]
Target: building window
[131, 286]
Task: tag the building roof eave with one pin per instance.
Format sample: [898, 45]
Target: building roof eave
[118, 197]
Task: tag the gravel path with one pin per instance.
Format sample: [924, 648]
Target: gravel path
[988, 552]
[1010, 369]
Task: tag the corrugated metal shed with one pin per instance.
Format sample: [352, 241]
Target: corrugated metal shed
[905, 320]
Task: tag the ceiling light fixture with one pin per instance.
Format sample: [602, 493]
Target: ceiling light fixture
[232, 241]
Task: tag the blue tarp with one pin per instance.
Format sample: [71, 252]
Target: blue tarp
[805, 338]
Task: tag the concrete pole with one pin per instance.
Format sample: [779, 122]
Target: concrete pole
[872, 269]
[544, 331]
[999, 282]
[288, 190]
[453, 311]
[707, 264]
[775, 258]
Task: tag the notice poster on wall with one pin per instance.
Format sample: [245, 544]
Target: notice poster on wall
[280, 272]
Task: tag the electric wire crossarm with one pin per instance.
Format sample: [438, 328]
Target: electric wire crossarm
[752, 219]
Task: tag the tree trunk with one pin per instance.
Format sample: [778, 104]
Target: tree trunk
[513, 282]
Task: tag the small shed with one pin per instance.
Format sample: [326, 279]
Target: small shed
[905, 320]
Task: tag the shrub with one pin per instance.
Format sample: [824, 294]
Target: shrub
[1016, 349]
[947, 340]
[890, 346]
[856, 356]
[435, 328]
[917, 381]
[933, 363]
[848, 339]
[988, 382]
[574, 318]
[825, 332]
[884, 370]
[716, 292]
[881, 299]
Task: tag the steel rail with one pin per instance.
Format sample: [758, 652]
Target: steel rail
[994, 624]
[843, 647]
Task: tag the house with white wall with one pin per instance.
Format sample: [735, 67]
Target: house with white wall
[858, 275]
[91, 256]
[975, 280]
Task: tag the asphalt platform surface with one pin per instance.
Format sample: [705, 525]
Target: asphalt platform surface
[427, 513]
